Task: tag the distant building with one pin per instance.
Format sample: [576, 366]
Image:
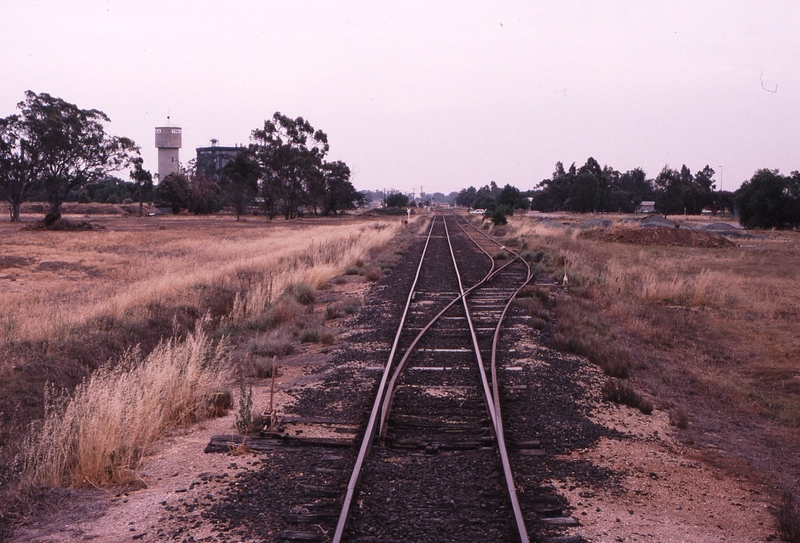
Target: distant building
[168, 142]
[646, 207]
[211, 160]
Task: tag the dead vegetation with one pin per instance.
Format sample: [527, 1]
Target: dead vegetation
[702, 325]
[114, 321]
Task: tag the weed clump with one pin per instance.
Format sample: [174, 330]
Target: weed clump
[277, 342]
[302, 292]
[99, 434]
[622, 392]
[679, 418]
[788, 519]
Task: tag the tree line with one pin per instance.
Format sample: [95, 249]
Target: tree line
[767, 200]
[283, 170]
[592, 188]
[55, 151]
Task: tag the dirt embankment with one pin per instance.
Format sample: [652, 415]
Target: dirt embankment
[682, 237]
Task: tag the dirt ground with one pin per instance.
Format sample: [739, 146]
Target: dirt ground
[668, 492]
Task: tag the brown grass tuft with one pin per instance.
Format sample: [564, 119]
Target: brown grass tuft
[679, 418]
[618, 391]
[99, 434]
[788, 519]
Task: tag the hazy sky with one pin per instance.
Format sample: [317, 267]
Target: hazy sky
[435, 94]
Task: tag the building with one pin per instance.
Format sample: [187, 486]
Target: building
[646, 207]
[211, 160]
[168, 142]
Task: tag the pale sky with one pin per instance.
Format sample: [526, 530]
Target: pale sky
[441, 95]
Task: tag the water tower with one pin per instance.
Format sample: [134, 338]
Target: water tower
[168, 143]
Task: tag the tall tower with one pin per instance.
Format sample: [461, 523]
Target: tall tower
[168, 143]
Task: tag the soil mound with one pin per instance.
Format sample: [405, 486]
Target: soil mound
[63, 224]
[659, 236]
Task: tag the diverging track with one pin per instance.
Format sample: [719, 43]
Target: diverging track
[434, 465]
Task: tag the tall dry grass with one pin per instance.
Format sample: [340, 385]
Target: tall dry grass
[96, 285]
[70, 279]
[717, 319]
[99, 434]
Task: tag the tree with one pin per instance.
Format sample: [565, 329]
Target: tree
[240, 180]
[173, 191]
[769, 200]
[512, 198]
[584, 194]
[340, 194]
[397, 199]
[289, 152]
[143, 179]
[65, 147]
[466, 197]
[18, 161]
[669, 192]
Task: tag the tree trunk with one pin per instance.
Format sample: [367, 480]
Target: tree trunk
[15, 205]
[141, 204]
[53, 216]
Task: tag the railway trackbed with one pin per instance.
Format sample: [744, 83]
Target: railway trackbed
[434, 461]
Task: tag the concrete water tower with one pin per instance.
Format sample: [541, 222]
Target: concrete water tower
[168, 142]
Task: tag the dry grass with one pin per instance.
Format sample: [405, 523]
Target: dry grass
[722, 318]
[68, 279]
[99, 434]
[74, 300]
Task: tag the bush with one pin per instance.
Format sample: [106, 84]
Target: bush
[622, 392]
[302, 292]
[788, 519]
[679, 418]
[310, 335]
[373, 274]
[278, 342]
[113, 199]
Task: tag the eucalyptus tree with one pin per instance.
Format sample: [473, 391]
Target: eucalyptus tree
[62, 147]
[142, 179]
[290, 153]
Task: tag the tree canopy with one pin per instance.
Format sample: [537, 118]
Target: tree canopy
[57, 147]
[592, 188]
[769, 200]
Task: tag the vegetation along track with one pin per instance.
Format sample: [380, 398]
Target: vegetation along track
[433, 464]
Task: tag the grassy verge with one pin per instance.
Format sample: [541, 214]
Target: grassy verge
[708, 334]
[130, 363]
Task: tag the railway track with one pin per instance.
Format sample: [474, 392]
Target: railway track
[448, 452]
[441, 470]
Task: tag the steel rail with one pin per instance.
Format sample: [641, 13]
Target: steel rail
[494, 396]
[501, 443]
[366, 444]
[487, 393]
[392, 388]
[384, 403]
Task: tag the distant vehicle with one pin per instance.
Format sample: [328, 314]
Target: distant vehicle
[477, 212]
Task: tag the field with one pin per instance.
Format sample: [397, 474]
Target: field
[702, 327]
[73, 301]
[707, 330]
